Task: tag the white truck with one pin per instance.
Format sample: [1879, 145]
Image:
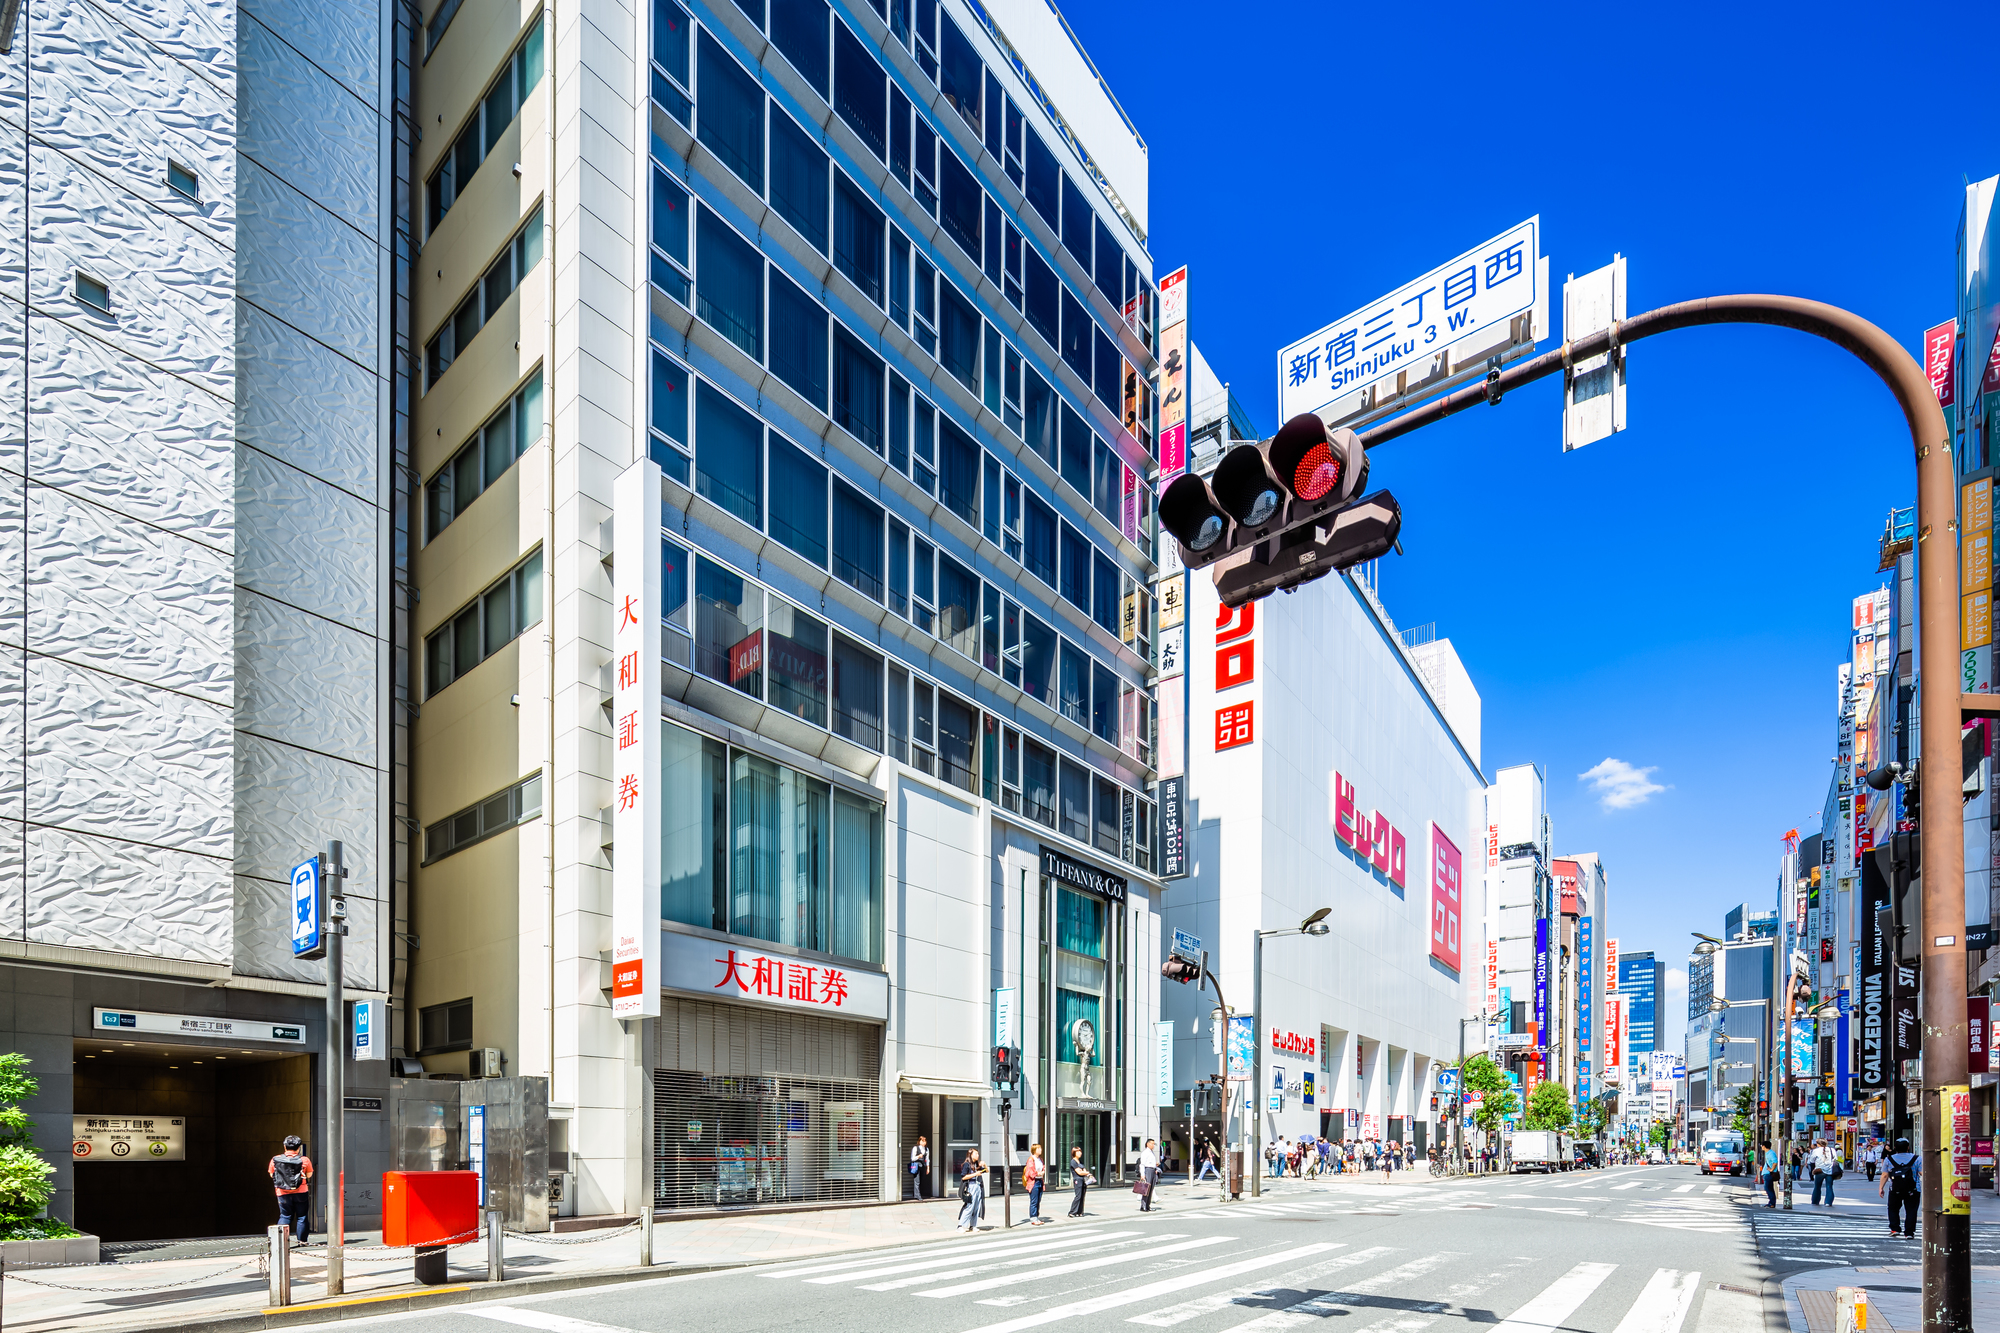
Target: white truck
[1543, 1150]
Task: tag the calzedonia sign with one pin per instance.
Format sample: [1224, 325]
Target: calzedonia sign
[1081, 875]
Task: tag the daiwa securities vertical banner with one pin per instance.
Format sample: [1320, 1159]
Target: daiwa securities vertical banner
[1447, 875]
[637, 556]
[1174, 375]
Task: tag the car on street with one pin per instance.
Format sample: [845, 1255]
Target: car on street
[1721, 1150]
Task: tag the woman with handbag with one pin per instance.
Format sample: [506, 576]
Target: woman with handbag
[1149, 1174]
[920, 1168]
[971, 1191]
[1033, 1173]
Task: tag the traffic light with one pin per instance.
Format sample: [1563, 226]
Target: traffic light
[1180, 969]
[1275, 510]
[1823, 1101]
[1006, 1069]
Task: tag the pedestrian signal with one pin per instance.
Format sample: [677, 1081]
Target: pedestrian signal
[1006, 1069]
[1180, 969]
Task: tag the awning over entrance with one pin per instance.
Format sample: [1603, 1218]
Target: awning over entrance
[942, 1087]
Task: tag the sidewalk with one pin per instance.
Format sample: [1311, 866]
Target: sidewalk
[1895, 1299]
[220, 1284]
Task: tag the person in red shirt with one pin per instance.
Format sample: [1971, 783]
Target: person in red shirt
[291, 1174]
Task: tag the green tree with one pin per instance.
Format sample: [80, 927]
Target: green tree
[26, 1179]
[1662, 1132]
[1549, 1108]
[1743, 1105]
[1480, 1074]
[1589, 1120]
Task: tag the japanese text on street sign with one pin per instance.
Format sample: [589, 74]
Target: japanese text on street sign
[1457, 307]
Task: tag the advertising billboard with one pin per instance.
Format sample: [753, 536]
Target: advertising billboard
[1447, 879]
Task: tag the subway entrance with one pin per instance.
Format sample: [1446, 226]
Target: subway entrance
[202, 1176]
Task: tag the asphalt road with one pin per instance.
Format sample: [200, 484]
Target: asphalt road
[1624, 1250]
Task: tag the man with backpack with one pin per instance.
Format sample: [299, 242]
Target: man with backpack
[1899, 1182]
[291, 1173]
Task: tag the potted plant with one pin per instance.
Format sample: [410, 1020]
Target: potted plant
[27, 1180]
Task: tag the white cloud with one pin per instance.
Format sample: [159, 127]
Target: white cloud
[1620, 786]
[1677, 980]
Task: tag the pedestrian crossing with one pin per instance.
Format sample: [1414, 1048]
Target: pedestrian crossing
[1229, 1284]
[1832, 1239]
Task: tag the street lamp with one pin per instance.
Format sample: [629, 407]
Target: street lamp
[1312, 925]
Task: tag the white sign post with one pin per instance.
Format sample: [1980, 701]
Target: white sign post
[635, 741]
[1490, 302]
[1594, 388]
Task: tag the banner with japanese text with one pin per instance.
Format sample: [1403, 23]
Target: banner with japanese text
[637, 557]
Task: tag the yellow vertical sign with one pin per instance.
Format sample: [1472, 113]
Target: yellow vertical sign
[1975, 564]
[1955, 1148]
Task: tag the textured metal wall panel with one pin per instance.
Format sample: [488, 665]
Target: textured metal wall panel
[13, 733]
[127, 598]
[343, 37]
[127, 761]
[200, 32]
[303, 542]
[129, 437]
[291, 801]
[263, 935]
[304, 680]
[13, 383]
[94, 893]
[13, 880]
[13, 211]
[309, 406]
[114, 101]
[305, 128]
[305, 265]
[13, 560]
[170, 285]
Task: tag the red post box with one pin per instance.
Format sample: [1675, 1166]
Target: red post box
[427, 1208]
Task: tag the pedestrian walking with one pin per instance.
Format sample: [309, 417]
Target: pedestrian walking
[971, 1191]
[291, 1173]
[1871, 1153]
[1767, 1171]
[1208, 1166]
[1387, 1157]
[920, 1168]
[1033, 1173]
[1900, 1174]
[1149, 1175]
[1825, 1170]
[1080, 1178]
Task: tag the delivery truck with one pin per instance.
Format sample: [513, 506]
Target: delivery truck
[1542, 1150]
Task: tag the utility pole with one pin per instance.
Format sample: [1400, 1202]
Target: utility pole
[1947, 1295]
[334, 871]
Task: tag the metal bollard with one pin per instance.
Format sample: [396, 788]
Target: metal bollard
[496, 1231]
[279, 1239]
[646, 1236]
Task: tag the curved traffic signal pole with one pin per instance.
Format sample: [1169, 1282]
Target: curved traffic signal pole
[1947, 1300]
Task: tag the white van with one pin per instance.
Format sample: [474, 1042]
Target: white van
[1544, 1150]
[1722, 1150]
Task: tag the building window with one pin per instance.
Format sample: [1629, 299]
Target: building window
[1039, 527]
[799, 170]
[958, 472]
[1077, 334]
[798, 29]
[960, 73]
[489, 623]
[668, 415]
[961, 204]
[671, 27]
[476, 823]
[755, 848]
[520, 255]
[728, 615]
[445, 1027]
[1078, 218]
[858, 228]
[958, 337]
[729, 455]
[957, 606]
[489, 453]
[798, 340]
[729, 284]
[857, 694]
[858, 90]
[489, 120]
[183, 181]
[1078, 447]
[669, 256]
[1073, 685]
[1076, 558]
[731, 119]
[798, 500]
[93, 292]
[1104, 592]
[857, 389]
[1038, 660]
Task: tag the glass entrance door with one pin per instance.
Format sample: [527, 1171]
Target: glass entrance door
[1080, 1129]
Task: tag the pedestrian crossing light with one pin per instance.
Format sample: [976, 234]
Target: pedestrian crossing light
[1823, 1102]
[1282, 512]
[1006, 1069]
[1180, 969]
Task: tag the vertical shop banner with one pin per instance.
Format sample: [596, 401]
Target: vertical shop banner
[1955, 1149]
[1611, 964]
[1586, 974]
[1941, 361]
[1614, 1038]
[1542, 983]
[1173, 828]
[1805, 1047]
[1492, 992]
[1506, 1010]
[637, 559]
[1904, 988]
[1978, 1036]
[1235, 665]
[1242, 1048]
[1174, 375]
[1843, 1072]
[1447, 877]
[1877, 934]
[1163, 1062]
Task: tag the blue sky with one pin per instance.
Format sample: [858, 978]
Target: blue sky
[1674, 598]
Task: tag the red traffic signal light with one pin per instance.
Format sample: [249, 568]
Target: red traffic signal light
[1302, 474]
[1005, 1070]
[1361, 531]
[1180, 969]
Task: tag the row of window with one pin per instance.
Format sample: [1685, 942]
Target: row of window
[755, 473]
[517, 258]
[490, 117]
[731, 629]
[490, 452]
[487, 624]
[755, 848]
[787, 165]
[483, 819]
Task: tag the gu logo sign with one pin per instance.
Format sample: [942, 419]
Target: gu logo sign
[1447, 876]
[1370, 835]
